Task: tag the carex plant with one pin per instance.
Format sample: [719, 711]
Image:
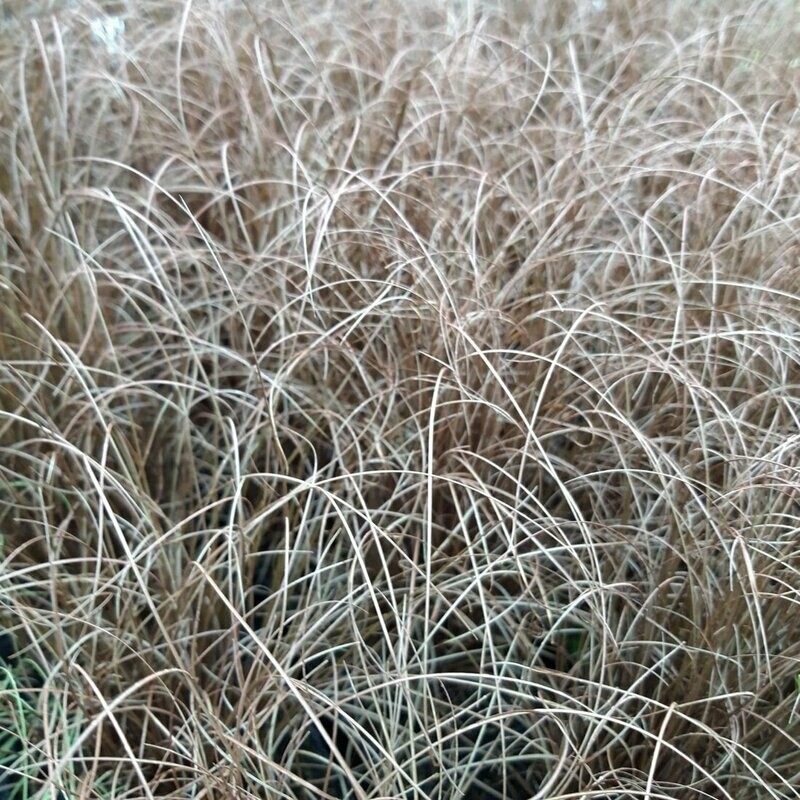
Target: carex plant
[399, 400]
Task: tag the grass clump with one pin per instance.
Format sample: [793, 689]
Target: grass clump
[399, 402]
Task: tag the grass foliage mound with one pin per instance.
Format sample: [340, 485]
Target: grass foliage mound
[399, 400]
